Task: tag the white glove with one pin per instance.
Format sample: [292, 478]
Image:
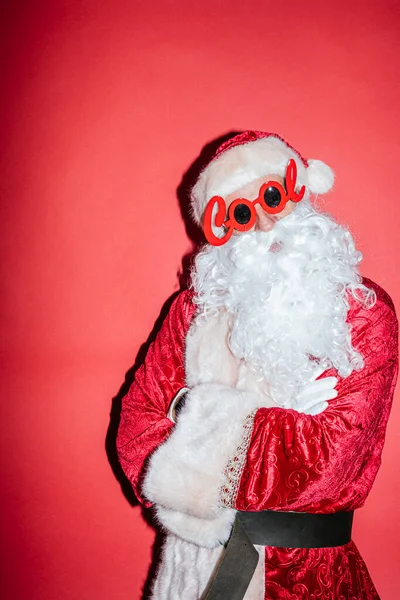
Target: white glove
[313, 397]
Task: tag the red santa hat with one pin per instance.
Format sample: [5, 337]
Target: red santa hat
[248, 156]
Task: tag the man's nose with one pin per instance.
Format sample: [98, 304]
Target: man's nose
[264, 221]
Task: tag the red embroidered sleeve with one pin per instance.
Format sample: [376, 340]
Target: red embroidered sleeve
[328, 462]
[144, 424]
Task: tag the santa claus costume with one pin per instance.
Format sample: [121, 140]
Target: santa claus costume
[288, 361]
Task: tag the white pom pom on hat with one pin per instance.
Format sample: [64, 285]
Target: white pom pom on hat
[320, 176]
[248, 156]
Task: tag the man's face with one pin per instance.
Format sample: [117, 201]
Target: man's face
[264, 221]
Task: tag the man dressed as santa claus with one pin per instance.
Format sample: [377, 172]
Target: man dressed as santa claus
[256, 424]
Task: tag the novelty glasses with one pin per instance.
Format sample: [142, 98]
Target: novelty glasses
[242, 215]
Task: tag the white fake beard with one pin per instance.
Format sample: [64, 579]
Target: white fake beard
[286, 292]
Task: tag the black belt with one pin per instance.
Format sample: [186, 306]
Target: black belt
[272, 528]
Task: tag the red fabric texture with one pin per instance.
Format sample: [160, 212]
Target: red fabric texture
[318, 464]
[317, 574]
[328, 462]
[252, 136]
[144, 423]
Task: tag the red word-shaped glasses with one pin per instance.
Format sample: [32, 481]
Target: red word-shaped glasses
[242, 215]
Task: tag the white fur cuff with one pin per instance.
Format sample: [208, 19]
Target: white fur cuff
[186, 472]
[208, 533]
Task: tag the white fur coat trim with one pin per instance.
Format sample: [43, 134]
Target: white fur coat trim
[186, 571]
[187, 478]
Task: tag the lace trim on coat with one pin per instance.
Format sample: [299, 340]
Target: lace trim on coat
[234, 469]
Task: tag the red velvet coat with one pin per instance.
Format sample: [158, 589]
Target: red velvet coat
[324, 463]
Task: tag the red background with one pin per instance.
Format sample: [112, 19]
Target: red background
[105, 105]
